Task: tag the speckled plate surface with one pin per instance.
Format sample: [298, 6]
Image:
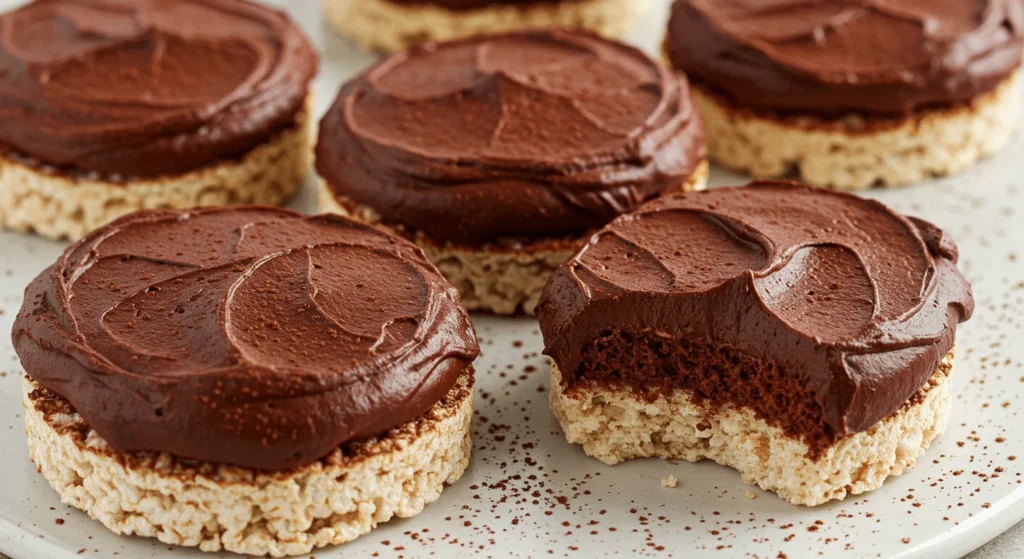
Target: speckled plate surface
[530, 494]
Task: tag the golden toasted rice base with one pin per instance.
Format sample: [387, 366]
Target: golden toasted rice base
[218, 507]
[381, 25]
[58, 206]
[853, 153]
[615, 425]
[502, 281]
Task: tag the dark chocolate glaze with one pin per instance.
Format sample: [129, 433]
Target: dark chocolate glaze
[875, 57]
[146, 88]
[829, 294]
[535, 134]
[250, 336]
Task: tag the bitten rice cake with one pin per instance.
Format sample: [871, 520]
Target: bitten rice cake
[246, 379]
[851, 94]
[110, 107]
[801, 336]
[501, 155]
[394, 25]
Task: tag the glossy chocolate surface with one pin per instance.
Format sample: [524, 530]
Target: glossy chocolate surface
[875, 57]
[147, 88]
[790, 289]
[251, 336]
[538, 134]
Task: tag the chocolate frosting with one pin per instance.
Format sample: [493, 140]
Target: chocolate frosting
[250, 336]
[144, 88]
[855, 302]
[886, 57]
[532, 135]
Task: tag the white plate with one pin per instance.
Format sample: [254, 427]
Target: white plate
[530, 494]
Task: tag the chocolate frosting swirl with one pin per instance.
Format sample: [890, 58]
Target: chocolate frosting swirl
[250, 336]
[854, 301]
[533, 134]
[886, 57]
[145, 88]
